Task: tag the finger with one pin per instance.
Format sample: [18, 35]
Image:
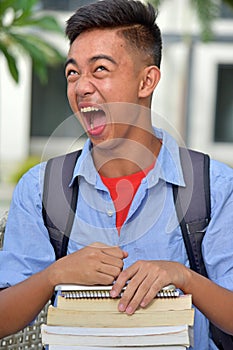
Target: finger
[99, 245]
[128, 302]
[111, 261]
[115, 252]
[155, 288]
[151, 293]
[122, 279]
[103, 279]
[109, 269]
[110, 250]
[134, 294]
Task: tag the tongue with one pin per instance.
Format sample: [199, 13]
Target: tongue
[96, 122]
[98, 119]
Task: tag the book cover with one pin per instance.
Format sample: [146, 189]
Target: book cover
[77, 347]
[64, 317]
[126, 337]
[108, 304]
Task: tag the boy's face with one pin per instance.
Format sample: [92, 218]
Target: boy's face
[101, 70]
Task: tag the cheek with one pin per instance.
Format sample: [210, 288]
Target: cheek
[71, 97]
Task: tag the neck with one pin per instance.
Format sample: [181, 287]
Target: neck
[128, 157]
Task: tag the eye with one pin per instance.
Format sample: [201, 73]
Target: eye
[71, 72]
[100, 69]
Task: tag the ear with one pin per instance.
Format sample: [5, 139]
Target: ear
[149, 81]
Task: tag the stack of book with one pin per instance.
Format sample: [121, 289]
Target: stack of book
[88, 318]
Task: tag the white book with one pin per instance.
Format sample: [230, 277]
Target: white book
[77, 347]
[116, 337]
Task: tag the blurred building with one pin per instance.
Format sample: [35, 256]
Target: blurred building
[194, 99]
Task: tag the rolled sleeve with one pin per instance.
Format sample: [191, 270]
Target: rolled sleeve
[27, 248]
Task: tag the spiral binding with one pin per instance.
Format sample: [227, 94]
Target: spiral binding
[167, 292]
[89, 294]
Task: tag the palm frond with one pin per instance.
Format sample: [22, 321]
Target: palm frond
[13, 36]
[11, 62]
[41, 52]
[47, 23]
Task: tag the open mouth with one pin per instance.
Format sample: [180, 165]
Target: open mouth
[94, 119]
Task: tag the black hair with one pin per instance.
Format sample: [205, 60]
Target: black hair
[136, 22]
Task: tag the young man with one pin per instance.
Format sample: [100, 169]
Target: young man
[125, 228]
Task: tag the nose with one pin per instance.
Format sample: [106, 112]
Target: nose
[84, 86]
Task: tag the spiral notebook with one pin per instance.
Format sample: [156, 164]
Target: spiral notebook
[75, 291]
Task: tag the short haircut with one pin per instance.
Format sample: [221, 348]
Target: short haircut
[136, 22]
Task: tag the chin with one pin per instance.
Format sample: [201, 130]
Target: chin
[107, 144]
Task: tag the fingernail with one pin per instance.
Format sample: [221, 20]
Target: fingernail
[129, 310]
[121, 307]
[113, 293]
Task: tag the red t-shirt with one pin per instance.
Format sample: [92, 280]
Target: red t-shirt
[122, 190]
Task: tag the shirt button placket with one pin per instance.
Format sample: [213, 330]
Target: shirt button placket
[110, 212]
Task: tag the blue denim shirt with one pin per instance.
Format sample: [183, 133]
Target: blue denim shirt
[150, 232]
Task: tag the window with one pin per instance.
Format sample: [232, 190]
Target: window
[50, 107]
[211, 103]
[224, 104]
[226, 11]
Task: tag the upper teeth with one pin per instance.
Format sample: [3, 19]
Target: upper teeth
[89, 109]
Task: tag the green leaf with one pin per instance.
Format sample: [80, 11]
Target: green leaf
[155, 3]
[28, 43]
[24, 5]
[5, 4]
[207, 12]
[44, 22]
[16, 35]
[24, 12]
[48, 23]
[37, 46]
[41, 53]
[11, 61]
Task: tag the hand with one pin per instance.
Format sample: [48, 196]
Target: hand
[145, 279]
[94, 264]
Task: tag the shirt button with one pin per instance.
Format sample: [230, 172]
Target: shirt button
[110, 212]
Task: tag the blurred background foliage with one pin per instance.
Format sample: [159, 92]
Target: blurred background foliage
[206, 10]
[21, 26]
[23, 167]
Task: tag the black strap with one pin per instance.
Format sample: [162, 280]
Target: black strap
[60, 200]
[193, 209]
[193, 205]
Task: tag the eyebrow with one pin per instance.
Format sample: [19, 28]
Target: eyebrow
[92, 59]
[70, 60]
[105, 57]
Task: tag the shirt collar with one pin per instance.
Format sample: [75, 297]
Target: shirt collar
[167, 167]
[85, 165]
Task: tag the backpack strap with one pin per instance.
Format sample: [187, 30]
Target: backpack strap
[192, 204]
[193, 211]
[60, 200]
